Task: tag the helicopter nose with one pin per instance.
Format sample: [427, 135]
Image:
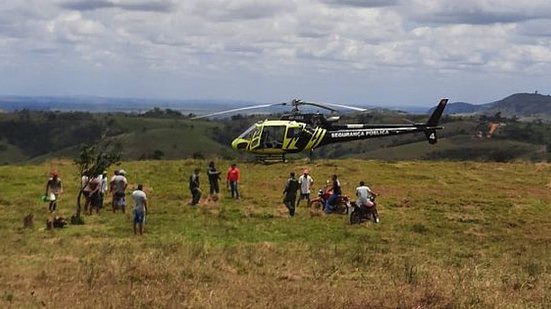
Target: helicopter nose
[239, 144]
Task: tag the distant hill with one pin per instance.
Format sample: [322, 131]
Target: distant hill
[522, 105]
[465, 108]
[531, 105]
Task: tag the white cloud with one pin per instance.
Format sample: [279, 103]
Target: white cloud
[231, 10]
[479, 12]
[73, 27]
[162, 6]
[315, 41]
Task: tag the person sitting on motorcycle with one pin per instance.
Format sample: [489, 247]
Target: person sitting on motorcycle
[365, 199]
[336, 188]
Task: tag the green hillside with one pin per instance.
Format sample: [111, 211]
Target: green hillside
[10, 153]
[37, 136]
[452, 235]
[174, 138]
[140, 137]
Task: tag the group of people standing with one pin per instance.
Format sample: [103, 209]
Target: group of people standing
[94, 190]
[232, 182]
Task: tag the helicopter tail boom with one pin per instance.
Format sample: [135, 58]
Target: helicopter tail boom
[432, 123]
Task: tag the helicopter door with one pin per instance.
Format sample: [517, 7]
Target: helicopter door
[292, 137]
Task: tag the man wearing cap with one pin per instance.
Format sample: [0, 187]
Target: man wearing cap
[305, 182]
[118, 187]
[54, 188]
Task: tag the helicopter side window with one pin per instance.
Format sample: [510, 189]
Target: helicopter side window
[292, 132]
[272, 136]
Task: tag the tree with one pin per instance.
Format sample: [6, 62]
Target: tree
[92, 161]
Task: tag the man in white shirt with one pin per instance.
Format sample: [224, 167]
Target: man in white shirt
[118, 188]
[103, 188]
[140, 209]
[54, 188]
[305, 182]
[85, 185]
[365, 199]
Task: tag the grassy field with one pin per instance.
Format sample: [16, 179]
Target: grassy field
[451, 235]
[460, 148]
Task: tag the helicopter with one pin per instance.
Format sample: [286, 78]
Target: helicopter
[297, 132]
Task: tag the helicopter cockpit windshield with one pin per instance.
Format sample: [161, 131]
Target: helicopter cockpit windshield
[249, 133]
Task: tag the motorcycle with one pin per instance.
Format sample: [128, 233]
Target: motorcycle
[361, 213]
[340, 206]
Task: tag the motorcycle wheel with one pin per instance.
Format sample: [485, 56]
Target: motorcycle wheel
[316, 205]
[355, 217]
[341, 208]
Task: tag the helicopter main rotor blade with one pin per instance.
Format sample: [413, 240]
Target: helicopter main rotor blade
[339, 105]
[237, 110]
[316, 104]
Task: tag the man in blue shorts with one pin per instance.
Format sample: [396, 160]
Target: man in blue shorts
[140, 209]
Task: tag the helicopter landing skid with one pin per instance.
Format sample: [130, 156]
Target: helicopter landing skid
[270, 158]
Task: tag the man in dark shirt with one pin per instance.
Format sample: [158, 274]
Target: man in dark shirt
[291, 189]
[214, 177]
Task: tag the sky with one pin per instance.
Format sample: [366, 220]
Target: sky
[359, 52]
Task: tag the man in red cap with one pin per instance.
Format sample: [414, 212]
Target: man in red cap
[54, 188]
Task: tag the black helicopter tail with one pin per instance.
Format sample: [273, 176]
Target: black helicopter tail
[432, 123]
